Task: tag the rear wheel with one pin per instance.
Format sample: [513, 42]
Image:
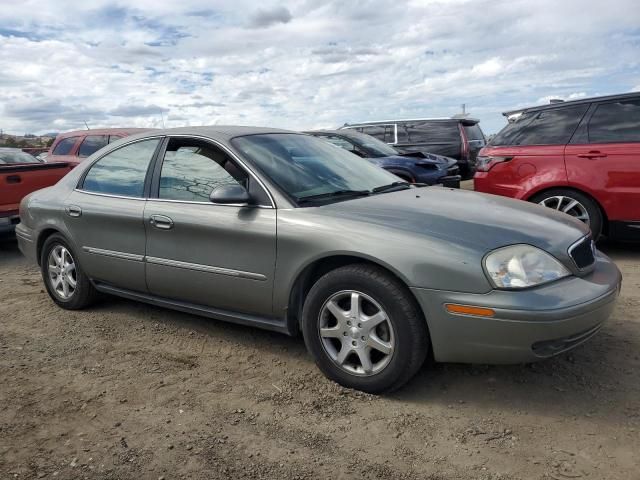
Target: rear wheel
[63, 277]
[364, 329]
[573, 203]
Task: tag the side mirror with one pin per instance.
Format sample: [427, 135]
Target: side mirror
[230, 195]
[358, 153]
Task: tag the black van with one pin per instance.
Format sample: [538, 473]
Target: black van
[459, 138]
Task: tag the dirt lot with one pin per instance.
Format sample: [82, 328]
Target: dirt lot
[126, 390]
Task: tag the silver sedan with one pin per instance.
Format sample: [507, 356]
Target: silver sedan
[284, 231]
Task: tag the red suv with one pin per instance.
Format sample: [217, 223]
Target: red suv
[580, 157]
[75, 146]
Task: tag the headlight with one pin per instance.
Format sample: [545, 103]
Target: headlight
[522, 266]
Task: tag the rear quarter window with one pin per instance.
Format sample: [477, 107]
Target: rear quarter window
[615, 122]
[545, 127]
[428, 132]
[473, 132]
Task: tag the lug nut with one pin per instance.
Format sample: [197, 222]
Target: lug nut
[362, 338]
[354, 343]
[349, 322]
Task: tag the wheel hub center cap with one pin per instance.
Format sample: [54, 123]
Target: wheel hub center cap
[354, 333]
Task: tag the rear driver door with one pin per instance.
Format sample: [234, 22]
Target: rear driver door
[104, 215]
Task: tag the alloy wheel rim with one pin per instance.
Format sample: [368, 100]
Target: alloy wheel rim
[568, 205]
[61, 268]
[356, 333]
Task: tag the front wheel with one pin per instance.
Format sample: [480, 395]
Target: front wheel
[364, 329]
[573, 203]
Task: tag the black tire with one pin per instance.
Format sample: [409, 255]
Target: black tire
[84, 293]
[411, 338]
[593, 210]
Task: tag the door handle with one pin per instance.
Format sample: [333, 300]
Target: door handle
[592, 154]
[14, 179]
[73, 210]
[161, 221]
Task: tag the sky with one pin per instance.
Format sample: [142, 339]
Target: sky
[304, 64]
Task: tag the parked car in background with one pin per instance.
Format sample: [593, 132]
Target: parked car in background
[283, 231]
[16, 156]
[457, 138]
[412, 167]
[77, 145]
[581, 157]
[21, 174]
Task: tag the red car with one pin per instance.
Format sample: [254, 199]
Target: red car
[581, 157]
[77, 145]
[21, 174]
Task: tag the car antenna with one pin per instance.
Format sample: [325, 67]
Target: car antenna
[85, 124]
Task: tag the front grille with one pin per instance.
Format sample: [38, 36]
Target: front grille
[582, 253]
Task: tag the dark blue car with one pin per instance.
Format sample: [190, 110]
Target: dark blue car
[414, 167]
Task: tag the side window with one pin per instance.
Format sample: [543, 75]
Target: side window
[192, 169]
[91, 144]
[386, 133]
[428, 132]
[65, 146]
[339, 142]
[123, 171]
[114, 138]
[615, 122]
[546, 127]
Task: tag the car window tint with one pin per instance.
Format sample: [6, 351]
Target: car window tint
[114, 138]
[615, 122]
[91, 144]
[473, 132]
[65, 146]
[545, 127]
[16, 156]
[377, 131]
[339, 142]
[428, 132]
[123, 171]
[192, 171]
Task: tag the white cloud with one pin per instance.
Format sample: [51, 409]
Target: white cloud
[304, 64]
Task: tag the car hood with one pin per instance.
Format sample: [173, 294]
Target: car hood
[480, 221]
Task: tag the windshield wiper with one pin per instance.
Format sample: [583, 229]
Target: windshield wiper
[391, 187]
[330, 195]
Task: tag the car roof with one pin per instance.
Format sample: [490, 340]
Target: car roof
[560, 104]
[102, 131]
[216, 132]
[465, 120]
[343, 133]
[11, 149]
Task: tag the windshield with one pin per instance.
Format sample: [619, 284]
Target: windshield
[376, 148]
[16, 156]
[304, 166]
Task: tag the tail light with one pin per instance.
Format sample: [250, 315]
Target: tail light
[486, 163]
[465, 143]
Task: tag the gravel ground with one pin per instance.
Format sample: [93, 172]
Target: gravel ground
[126, 390]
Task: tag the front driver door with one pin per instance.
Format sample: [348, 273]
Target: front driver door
[220, 256]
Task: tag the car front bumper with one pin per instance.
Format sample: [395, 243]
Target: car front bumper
[528, 325]
[450, 181]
